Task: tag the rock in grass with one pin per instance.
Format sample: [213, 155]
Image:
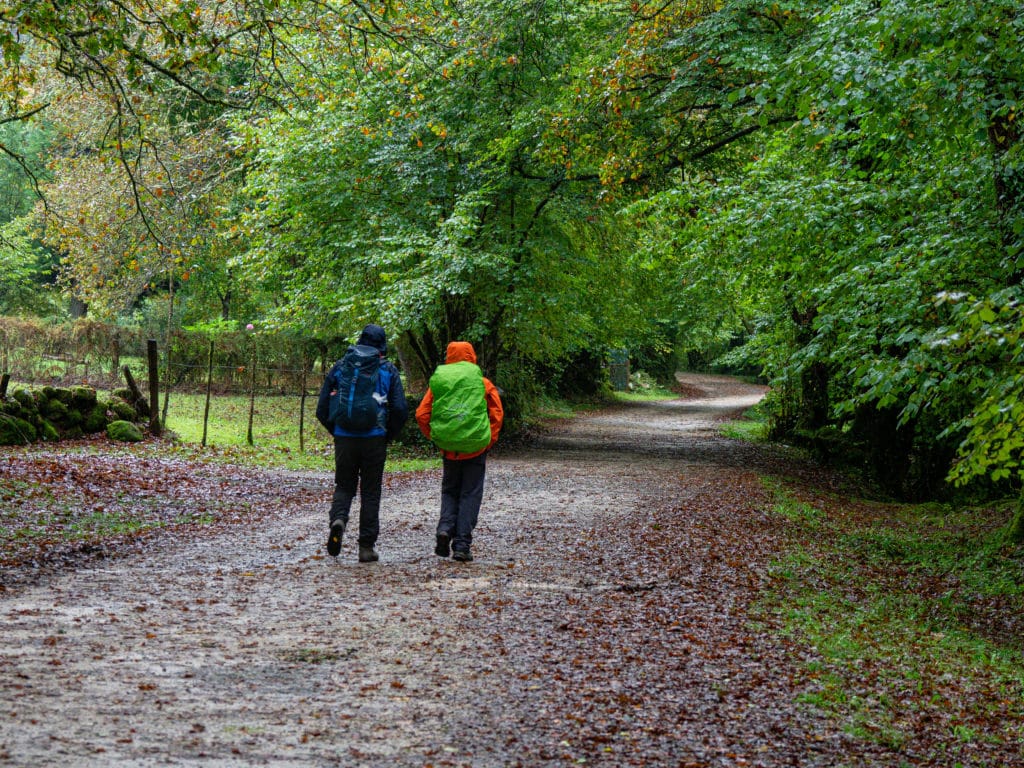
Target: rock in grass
[124, 431]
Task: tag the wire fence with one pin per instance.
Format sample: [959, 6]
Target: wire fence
[277, 376]
[263, 386]
[95, 353]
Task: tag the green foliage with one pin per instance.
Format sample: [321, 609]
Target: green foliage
[841, 187]
[421, 197]
[26, 272]
[869, 250]
[26, 144]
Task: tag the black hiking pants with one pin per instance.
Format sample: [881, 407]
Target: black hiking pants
[462, 490]
[359, 466]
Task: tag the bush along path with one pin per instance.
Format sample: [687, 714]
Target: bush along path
[625, 608]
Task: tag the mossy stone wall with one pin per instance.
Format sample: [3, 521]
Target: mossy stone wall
[56, 413]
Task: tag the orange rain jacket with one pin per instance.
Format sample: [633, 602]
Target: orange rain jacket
[462, 351]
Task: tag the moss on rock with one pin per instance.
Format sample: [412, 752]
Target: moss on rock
[55, 410]
[124, 431]
[96, 418]
[53, 413]
[83, 398]
[12, 408]
[123, 410]
[16, 431]
[24, 397]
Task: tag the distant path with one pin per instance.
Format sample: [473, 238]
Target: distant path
[605, 619]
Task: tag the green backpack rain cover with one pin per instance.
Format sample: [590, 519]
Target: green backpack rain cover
[458, 420]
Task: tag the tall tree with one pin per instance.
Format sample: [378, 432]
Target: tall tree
[419, 191]
[153, 77]
[878, 227]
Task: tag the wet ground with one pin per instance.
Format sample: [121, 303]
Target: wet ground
[605, 620]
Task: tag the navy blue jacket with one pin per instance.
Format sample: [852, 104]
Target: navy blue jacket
[390, 386]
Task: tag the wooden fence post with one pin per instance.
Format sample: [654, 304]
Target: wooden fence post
[302, 409]
[252, 392]
[154, 387]
[209, 388]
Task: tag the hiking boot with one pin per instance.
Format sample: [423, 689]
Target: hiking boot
[334, 537]
[367, 554]
[462, 555]
[443, 546]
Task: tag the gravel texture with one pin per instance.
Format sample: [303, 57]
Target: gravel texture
[605, 620]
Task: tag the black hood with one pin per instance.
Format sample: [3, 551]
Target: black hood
[374, 336]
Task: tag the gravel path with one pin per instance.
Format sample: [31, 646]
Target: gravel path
[603, 622]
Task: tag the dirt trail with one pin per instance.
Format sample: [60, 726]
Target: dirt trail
[604, 620]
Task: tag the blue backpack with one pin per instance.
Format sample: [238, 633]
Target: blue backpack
[355, 404]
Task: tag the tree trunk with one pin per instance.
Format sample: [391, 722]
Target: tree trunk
[154, 386]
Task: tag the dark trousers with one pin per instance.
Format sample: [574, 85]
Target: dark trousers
[462, 490]
[359, 466]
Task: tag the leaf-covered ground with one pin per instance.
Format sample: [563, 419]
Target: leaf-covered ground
[63, 504]
[627, 607]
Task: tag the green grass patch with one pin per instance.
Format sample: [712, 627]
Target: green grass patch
[61, 524]
[646, 394]
[947, 540]
[751, 427]
[275, 420]
[546, 408]
[275, 433]
[792, 508]
[105, 524]
[911, 612]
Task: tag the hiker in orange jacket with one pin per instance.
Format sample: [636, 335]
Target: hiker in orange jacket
[462, 481]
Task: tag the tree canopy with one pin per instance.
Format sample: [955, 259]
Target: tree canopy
[832, 193]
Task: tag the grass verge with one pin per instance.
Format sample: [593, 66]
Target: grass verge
[647, 393]
[752, 426]
[914, 614]
[275, 429]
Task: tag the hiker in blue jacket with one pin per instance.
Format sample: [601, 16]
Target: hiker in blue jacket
[360, 452]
